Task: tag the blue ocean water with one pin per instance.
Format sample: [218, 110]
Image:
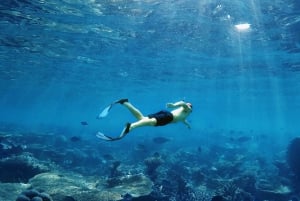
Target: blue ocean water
[63, 61]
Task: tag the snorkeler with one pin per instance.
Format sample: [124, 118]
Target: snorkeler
[179, 114]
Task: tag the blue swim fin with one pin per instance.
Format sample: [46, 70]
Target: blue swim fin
[125, 131]
[105, 111]
[103, 137]
[107, 138]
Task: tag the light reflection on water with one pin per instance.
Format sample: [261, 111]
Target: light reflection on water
[86, 53]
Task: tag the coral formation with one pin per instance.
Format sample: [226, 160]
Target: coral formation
[152, 163]
[114, 169]
[186, 174]
[135, 185]
[75, 187]
[20, 168]
[8, 147]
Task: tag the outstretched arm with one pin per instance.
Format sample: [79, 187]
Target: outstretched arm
[188, 125]
[177, 104]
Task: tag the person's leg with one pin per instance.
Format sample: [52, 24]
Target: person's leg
[133, 110]
[143, 122]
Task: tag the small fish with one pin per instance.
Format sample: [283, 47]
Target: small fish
[75, 139]
[160, 140]
[84, 123]
[243, 138]
[140, 147]
[108, 157]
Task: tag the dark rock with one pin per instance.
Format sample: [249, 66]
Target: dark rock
[45, 197]
[283, 168]
[217, 198]
[294, 199]
[293, 159]
[127, 197]
[146, 198]
[30, 193]
[33, 195]
[22, 198]
[68, 198]
[36, 199]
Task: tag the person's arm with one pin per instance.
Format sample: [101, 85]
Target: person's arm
[187, 124]
[177, 104]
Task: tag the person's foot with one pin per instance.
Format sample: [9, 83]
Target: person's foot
[121, 101]
[127, 129]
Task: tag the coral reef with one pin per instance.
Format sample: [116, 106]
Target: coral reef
[114, 169]
[152, 163]
[8, 147]
[80, 188]
[10, 191]
[20, 168]
[78, 171]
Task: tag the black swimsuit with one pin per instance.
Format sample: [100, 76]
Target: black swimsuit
[162, 117]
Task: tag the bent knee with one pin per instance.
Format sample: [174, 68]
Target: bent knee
[150, 121]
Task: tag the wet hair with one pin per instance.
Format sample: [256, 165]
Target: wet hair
[190, 104]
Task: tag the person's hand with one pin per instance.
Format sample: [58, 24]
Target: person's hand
[170, 105]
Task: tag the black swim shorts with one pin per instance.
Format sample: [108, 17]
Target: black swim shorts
[162, 117]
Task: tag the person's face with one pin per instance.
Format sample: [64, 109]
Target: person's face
[190, 105]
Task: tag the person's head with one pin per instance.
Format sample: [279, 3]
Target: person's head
[190, 105]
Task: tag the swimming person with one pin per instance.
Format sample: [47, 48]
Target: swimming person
[179, 114]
